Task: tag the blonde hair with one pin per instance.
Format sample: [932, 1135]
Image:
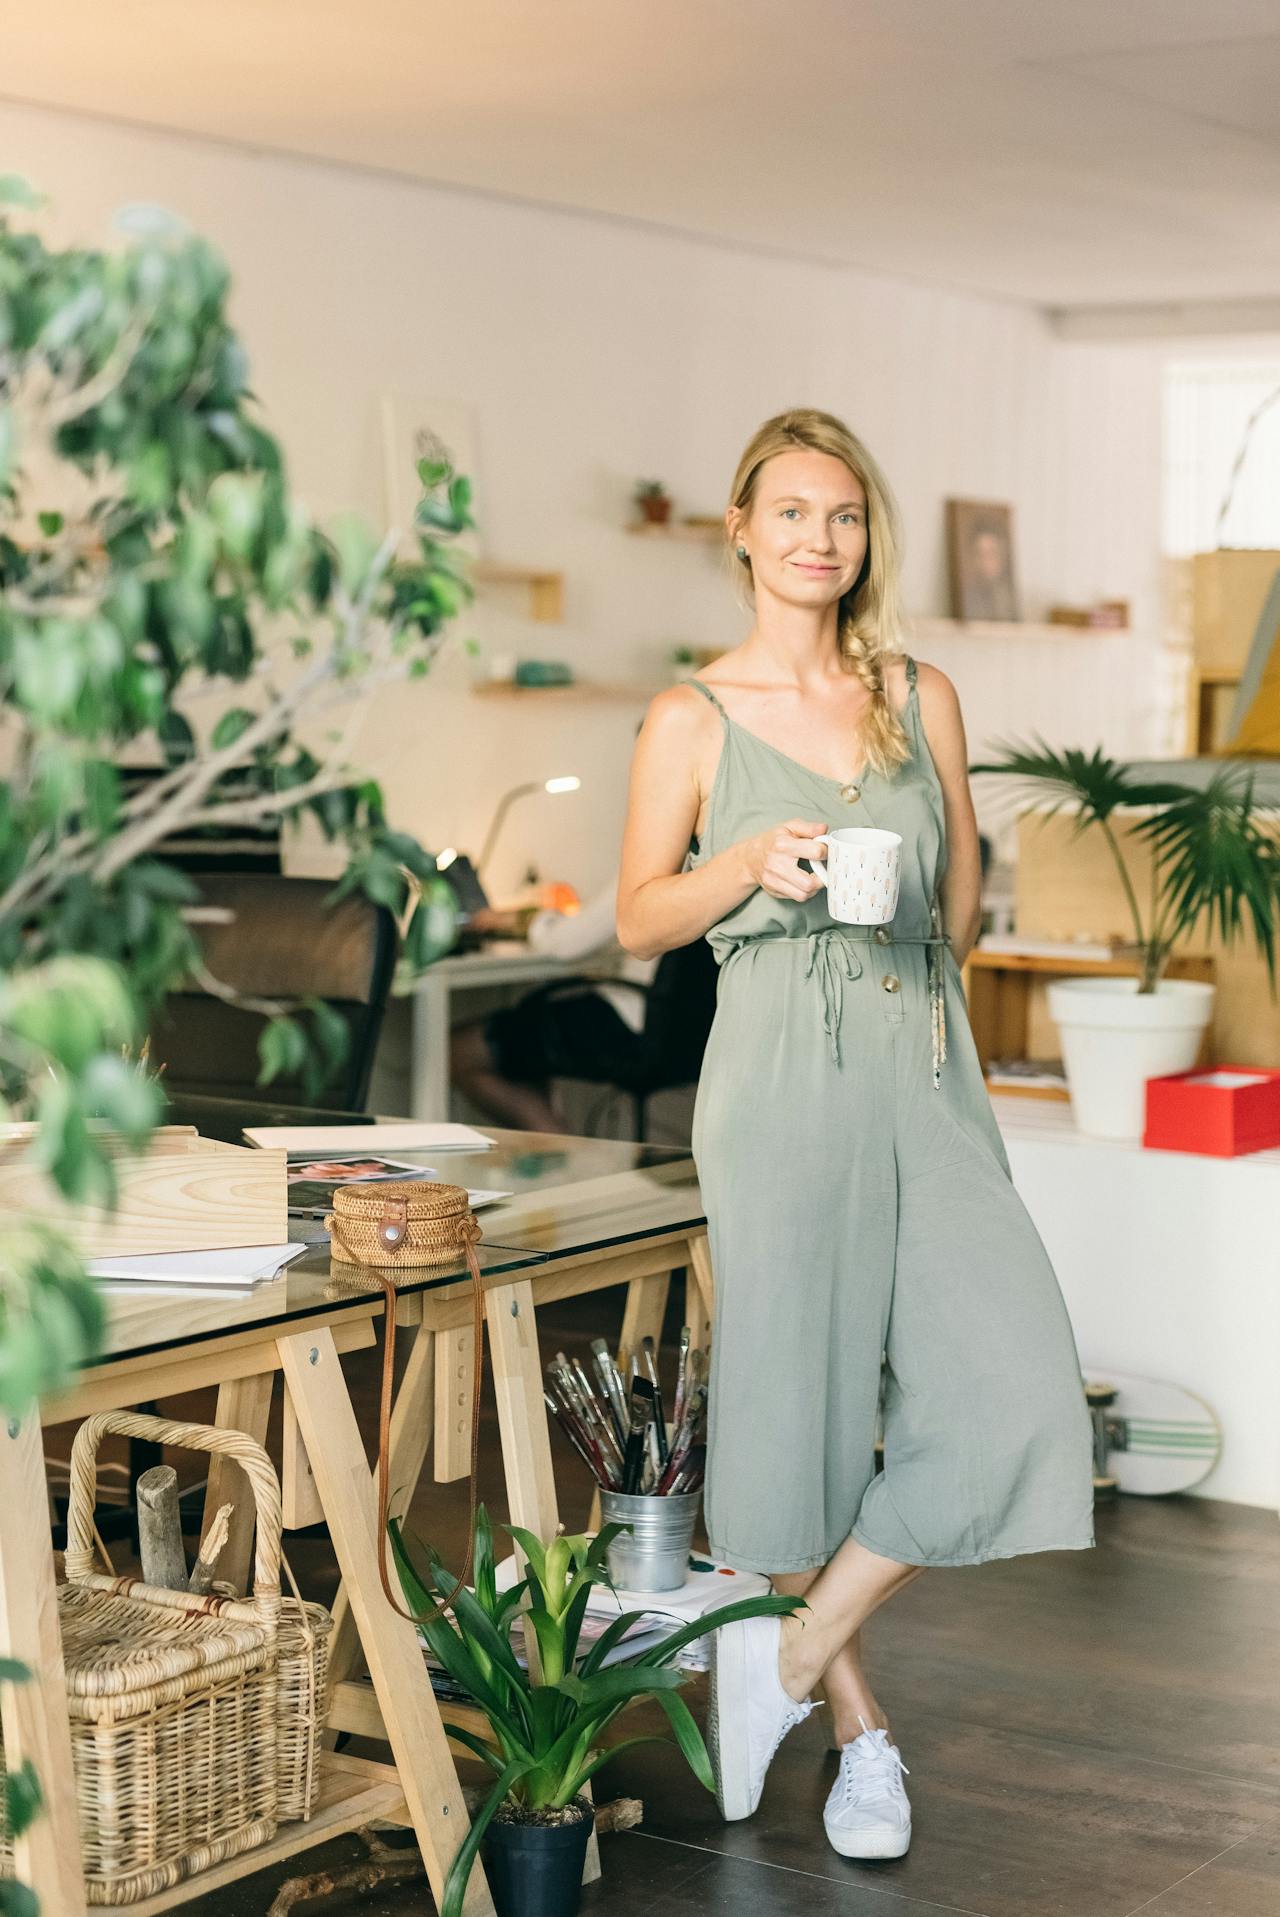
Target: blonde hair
[870, 616]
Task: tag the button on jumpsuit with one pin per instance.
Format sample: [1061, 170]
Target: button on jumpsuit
[859, 1202]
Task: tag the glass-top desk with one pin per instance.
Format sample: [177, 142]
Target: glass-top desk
[583, 1214]
[571, 1198]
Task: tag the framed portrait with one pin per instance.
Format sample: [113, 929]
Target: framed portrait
[980, 559]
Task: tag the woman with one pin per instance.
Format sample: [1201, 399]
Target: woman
[856, 1185]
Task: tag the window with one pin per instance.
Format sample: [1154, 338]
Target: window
[1208, 406]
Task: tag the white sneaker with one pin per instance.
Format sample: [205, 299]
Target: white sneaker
[750, 1714]
[867, 1813]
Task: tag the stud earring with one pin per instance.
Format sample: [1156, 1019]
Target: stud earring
[742, 552]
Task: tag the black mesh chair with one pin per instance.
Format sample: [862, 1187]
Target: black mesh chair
[282, 941]
[679, 1005]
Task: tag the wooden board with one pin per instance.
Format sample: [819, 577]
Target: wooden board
[190, 1194]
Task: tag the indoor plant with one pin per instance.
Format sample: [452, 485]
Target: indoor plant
[164, 597]
[547, 1724]
[1214, 853]
[654, 501]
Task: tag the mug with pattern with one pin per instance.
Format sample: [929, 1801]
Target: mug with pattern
[861, 873]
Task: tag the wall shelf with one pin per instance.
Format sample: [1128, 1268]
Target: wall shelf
[581, 689]
[928, 626]
[546, 589]
[706, 534]
[999, 989]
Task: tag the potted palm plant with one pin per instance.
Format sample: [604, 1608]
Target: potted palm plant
[1214, 852]
[547, 1726]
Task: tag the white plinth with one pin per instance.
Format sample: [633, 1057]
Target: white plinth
[1170, 1266]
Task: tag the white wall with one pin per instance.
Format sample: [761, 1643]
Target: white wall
[593, 352]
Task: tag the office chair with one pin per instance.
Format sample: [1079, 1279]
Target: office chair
[679, 1005]
[283, 942]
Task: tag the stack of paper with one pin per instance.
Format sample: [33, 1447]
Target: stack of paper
[236, 1270]
[708, 1584]
[397, 1135]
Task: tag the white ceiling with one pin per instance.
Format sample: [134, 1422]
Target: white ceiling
[1096, 153]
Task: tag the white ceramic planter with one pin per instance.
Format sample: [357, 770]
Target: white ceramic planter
[1114, 1038]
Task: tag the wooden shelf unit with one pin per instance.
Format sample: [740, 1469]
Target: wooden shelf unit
[353, 1791]
[999, 987]
[1206, 719]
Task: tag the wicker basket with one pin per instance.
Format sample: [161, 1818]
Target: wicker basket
[303, 1645]
[173, 1697]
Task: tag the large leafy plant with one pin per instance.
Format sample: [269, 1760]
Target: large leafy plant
[164, 597]
[1214, 851]
[548, 1724]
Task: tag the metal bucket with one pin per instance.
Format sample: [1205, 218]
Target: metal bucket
[654, 1556]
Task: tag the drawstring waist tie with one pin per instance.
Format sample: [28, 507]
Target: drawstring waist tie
[832, 959]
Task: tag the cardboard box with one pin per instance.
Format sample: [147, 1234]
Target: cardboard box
[1221, 1110]
[1228, 591]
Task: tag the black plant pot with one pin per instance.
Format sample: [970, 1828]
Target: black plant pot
[535, 1870]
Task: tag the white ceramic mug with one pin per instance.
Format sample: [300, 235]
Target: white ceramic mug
[862, 871]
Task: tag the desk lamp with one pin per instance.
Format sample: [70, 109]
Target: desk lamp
[508, 799]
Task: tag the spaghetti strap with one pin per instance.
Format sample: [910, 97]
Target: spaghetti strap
[910, 664]
[707, 693]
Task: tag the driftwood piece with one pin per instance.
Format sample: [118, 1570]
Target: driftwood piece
[215, 1537]
[164, 1562]
[385, 1865]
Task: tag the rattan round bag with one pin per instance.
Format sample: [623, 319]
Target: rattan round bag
[400, 1224]
[378, 1229]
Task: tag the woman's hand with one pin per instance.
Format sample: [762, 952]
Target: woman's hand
[771, 858]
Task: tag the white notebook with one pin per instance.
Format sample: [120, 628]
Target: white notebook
[397, 1135]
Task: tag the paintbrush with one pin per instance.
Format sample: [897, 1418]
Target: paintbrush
[598, 1435]
[607, 1373]
[694, 1471]
[682, 1368]
[596, 1415]
[571, 1419]
[572, 1435]
[654, 1463]
[660, 1425]
[641, 1410]
[685, 1436]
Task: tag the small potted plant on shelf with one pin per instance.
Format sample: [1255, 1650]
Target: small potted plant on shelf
[654, 501]
[1213, 852]
[546, 1726]
[683, 661]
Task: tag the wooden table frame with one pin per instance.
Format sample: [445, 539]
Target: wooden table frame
[326, 1474]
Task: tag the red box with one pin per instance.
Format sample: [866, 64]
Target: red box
[1188, 1112]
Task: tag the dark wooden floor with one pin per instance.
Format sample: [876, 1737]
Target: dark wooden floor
[1089, 1734]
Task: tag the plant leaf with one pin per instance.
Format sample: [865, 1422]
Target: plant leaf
[455, 1883]
[774, 1605]
[688, 1736]
[586, 1772]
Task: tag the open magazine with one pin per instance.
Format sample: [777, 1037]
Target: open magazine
[311, 1180]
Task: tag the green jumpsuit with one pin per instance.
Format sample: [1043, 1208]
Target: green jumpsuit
[859, 1203]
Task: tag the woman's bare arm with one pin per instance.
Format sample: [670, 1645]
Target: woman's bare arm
[660, 906]
[961, 889]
